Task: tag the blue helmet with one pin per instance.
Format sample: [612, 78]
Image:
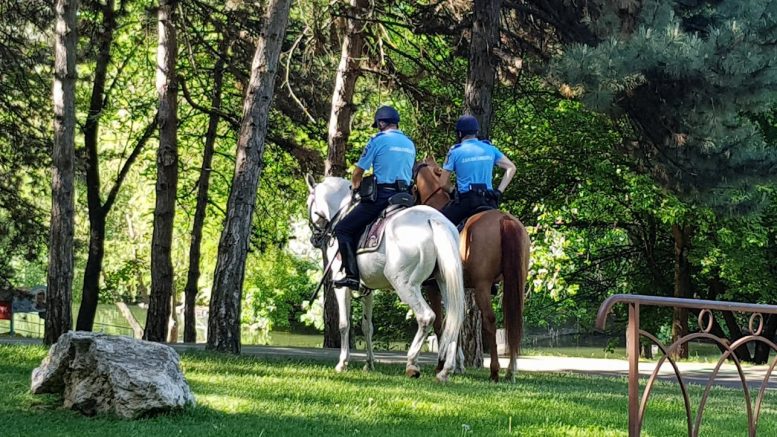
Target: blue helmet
[387, 114]
[467, 125]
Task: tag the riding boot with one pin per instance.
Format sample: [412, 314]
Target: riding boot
[351, 268]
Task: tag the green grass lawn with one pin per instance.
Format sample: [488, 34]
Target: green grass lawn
[247, 396]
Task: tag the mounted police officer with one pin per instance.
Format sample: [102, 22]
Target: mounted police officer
[391, 155]
[473, 162]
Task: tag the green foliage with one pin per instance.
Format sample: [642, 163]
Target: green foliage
[276, 285]
[688, 77]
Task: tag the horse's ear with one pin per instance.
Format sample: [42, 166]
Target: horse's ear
[310, 181]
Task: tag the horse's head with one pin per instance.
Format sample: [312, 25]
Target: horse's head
[428, 186]
[325, 199]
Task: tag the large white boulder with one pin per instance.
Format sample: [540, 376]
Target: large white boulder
[98, 373]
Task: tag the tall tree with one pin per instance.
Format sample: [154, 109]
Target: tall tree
[193, 277]
[482, 63]
[167, 176]
[348, 72]
[345, 83]
[25, 133]
[688, 78]
[224, 320]
[682, 283]
[99, 210]
[477, 101]
[60, 272]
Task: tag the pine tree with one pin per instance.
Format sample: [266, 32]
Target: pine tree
[688, 77]
[693, 80]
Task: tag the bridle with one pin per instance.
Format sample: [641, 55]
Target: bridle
[323, 234]
[416, 171]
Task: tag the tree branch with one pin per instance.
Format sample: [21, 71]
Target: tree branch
[141, 142]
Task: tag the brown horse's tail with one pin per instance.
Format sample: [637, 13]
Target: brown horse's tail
[514, 274]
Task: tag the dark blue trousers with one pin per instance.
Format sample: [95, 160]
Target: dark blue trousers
[461, 209]
[351, 227]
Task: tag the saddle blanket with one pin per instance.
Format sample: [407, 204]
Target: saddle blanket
[373, 235]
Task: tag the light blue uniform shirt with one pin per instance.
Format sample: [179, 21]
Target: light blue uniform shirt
[473, 162]
[391, 155]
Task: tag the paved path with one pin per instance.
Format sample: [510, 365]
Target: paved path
[696, 373]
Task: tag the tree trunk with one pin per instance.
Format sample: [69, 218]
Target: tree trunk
[345, 84]
[482, 63]
[60, 269]
[734, 334]
[682, 283]
[203, 184]
[224, 321]
[762, 350]
[337, 139]
[91, 290]
[472, 332]
[167, 177]
[97, 214]
[331, 311]
[477, 101]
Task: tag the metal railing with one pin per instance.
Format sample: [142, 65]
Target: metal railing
[637, 407]
[39, 328]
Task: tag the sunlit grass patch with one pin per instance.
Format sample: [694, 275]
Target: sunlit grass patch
[249, 396]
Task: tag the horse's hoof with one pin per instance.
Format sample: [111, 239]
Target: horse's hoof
[440, 366]
[369, 367]
[413, 372]
[494, 378]
[510, 377]
[442, 377]
[341, 368]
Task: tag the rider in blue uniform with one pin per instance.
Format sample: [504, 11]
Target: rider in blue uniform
[391, 155]
[473, 162]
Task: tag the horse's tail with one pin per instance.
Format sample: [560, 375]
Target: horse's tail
[446, 243]
[514, 273]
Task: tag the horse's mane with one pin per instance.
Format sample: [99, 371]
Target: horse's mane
[335, 183]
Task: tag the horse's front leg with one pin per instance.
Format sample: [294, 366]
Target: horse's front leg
[367, 304]
[343, 295]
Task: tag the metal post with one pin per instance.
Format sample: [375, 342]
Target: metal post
[632, 342]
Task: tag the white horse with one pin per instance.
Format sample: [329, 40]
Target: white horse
[416, 240]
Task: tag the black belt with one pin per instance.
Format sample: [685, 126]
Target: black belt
[396, 186]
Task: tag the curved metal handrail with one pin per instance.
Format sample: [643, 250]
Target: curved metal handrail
[638, 407]
[676, 302]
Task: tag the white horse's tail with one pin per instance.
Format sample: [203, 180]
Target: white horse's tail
[446, 245]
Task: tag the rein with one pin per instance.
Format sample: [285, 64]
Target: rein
[323, 235]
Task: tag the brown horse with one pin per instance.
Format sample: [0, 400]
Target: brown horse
[494, 247]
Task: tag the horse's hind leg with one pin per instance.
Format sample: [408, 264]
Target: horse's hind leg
[367, 304]
[483, 299]
[435, 301]
[411, 295]
[343, 295]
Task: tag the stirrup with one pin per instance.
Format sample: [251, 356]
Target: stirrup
[351, 283]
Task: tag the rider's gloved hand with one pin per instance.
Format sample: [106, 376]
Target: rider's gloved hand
[497, 196]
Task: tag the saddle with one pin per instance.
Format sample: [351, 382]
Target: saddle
[373, 236]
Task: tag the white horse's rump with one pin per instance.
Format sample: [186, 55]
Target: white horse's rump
[417, 239]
